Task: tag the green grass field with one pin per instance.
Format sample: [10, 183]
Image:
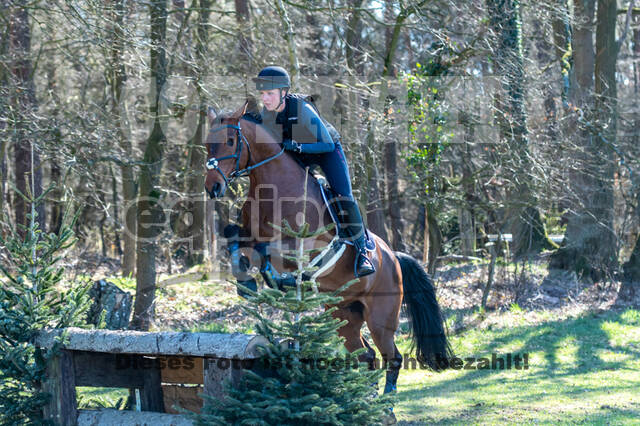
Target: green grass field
[584, 369]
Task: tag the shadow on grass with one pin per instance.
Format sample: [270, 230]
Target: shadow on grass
[546, 377]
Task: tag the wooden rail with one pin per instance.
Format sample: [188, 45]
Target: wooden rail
[167, 369]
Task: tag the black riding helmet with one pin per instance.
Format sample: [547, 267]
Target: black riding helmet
[272, 78]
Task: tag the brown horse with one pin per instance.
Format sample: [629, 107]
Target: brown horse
[238, 145]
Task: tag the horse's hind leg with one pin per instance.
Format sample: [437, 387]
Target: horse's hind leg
[383, 326]
[351, 331]
[393, 371]
[371, 354]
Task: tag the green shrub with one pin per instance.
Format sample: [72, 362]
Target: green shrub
[32, 297]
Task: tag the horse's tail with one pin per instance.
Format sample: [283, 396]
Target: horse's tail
[428, 329]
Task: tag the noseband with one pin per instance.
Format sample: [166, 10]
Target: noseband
[213, 162]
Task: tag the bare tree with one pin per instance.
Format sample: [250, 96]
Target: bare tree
[590, 246]
[28, 171]
[529, 235]
[149, 211]
[196, 147]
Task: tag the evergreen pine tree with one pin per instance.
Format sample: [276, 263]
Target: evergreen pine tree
[306, 375]
[32, 298]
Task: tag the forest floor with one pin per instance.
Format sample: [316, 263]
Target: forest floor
[582, 344]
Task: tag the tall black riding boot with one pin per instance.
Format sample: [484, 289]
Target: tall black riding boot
[352, 229]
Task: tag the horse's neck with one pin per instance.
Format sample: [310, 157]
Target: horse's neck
[283, 171]
[283, 178]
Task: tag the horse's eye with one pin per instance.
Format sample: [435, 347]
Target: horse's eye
[230, 141]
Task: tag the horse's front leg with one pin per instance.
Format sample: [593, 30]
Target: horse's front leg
[273, 274]
[240, 262]
[245, 252]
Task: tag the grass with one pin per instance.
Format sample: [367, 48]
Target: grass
[96, 398]
[583, 369]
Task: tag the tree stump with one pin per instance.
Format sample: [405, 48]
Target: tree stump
[115, 302]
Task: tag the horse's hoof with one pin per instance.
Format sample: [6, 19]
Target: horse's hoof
[389, 419]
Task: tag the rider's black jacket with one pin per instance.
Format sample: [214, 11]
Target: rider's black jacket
[300, 122]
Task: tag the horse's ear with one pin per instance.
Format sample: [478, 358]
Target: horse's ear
[241, 111]
[211, 114]
[252, 105]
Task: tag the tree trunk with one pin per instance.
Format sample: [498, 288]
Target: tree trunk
[606, 255]
[150, 213]
[288, 34]
[55, 220]
[243, 18]
[315, 50]
[465, 215]
[589, 243]
[116, 210]
[55, 196]
[117, 77]
[349, 108]
[431, 237]
[28, 173]
[529, 235]
[353, 38]
[632, 266]
[394, 204]
[549, 91]
[434, 239]
[425, 235]
[196, 145]
[561, 24]
[374, 205]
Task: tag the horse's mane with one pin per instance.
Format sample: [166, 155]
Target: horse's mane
[253, 116]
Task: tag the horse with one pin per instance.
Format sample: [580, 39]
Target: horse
[238, 145]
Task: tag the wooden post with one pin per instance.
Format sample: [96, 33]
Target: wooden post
[490, 274]
[151, 398]
[219, 372]
[61, 385]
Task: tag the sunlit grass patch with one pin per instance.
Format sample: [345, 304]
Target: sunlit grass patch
[584, 369]
[98, 397]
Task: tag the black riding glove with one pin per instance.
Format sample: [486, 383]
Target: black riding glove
[292, 146]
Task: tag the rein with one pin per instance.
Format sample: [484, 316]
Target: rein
[213, 162]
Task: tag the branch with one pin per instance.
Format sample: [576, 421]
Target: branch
[627, 23]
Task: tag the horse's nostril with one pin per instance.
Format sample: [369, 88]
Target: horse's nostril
[216, 188]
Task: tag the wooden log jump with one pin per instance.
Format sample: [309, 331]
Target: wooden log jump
[166, 369]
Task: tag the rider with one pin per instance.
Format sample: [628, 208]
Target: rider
[305, 135]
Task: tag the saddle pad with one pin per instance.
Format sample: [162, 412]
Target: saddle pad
[329, 256]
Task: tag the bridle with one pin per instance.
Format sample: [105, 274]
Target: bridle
[213, 162]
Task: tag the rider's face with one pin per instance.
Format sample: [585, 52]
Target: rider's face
[270, 99]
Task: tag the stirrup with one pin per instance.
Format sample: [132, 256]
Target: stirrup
[362, 268]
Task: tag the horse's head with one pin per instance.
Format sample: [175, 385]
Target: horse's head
[228, 151]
